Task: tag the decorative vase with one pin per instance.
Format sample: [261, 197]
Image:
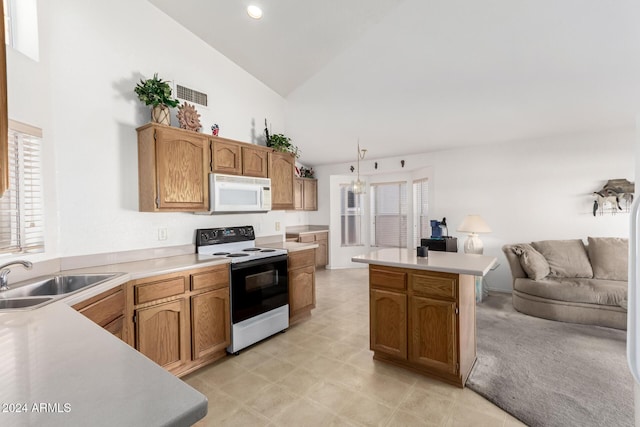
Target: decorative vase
[160, 114]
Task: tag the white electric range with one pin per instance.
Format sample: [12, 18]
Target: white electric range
[258, 282]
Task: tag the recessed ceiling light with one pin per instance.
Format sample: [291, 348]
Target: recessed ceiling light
[254, 11]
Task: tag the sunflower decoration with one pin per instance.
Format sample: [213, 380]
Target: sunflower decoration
[188, 117]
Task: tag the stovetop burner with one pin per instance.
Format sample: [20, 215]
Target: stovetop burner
[235, 243]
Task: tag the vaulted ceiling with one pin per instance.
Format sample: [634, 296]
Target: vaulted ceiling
[408, 76]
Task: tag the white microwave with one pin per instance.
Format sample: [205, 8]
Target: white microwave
[232, 193]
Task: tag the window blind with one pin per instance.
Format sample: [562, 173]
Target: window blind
[389, 214]
[21, 212]
[350, 216]
[421, 227]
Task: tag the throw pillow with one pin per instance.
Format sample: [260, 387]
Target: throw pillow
[566, 258]
[532, 261]
[609, 257]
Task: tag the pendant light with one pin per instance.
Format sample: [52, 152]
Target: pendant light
[358, 187]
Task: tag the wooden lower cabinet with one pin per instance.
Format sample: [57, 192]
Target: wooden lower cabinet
[302, 295]
[162, 334]
[210, 323]
[105, 309]
[322, 252]
[423, 321]
[181, 320]
[302, 284]
[388, 323]
[433, 334]
[322, 239]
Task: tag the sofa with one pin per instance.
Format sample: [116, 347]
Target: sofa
[569, 281]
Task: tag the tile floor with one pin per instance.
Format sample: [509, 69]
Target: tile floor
[321, 373]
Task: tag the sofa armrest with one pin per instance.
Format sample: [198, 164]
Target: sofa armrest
[514, 262]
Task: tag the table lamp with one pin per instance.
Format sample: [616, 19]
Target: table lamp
[473, 224]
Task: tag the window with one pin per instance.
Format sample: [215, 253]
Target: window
[350, 216]
[8, 25]
[421, 227]
[389, 214]
[21, 213]
[21, 26]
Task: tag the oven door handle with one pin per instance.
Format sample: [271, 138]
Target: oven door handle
[261, 261]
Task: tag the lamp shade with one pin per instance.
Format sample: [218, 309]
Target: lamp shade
[474, 224]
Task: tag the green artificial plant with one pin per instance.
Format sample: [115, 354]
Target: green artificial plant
[279, 142]
[155, 92]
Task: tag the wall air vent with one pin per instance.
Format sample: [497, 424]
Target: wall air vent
[191, 95]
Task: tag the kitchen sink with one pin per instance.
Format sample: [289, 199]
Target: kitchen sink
[18, 303]
[57, 285]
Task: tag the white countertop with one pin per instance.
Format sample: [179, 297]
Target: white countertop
[138, 270]
[61, 369]
[292, 246]
[54, 355]
[448, 262]
[305, 229]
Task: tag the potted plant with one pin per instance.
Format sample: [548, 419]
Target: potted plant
[157, 92]
[282, 143]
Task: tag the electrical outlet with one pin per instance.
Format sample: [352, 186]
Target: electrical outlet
[162, 233]
[277, 225]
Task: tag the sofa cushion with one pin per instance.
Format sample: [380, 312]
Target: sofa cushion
[609, 257]
[591, 291]
[566, 258]
[532, 261]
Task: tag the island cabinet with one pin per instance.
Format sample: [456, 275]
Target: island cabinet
[239, 158]
[306, 194]
[173, 169]
[106, 309]
[281, 172]
[423, 320]
[182, 320]
[302, 284]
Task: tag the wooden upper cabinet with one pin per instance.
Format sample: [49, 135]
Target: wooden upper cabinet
[306, 194]
[310, 194]
[298, 194]
[255, 162]
[281, 172]
[226, 156]
[173, 168]
[4, 117]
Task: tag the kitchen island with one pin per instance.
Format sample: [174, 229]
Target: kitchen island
[422, 310]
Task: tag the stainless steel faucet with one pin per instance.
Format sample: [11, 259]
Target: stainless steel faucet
[4, 272]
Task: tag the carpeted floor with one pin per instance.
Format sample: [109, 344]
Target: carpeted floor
[548, 373]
